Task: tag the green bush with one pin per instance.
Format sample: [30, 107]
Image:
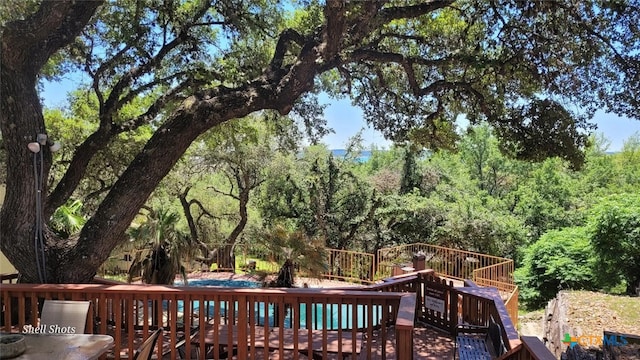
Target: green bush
[560, 259]
[615, 238]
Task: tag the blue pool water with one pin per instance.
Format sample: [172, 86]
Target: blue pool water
[322, 315]
[222, 282]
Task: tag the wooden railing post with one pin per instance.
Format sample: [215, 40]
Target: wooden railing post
[404, 327]
[453, 310]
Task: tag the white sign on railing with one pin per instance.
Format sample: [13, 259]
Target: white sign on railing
[434, 299]
[434, 304]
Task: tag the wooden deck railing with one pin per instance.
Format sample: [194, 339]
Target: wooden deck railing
[442, 305]
[296, 317]
[350, 266]
[453, 263]
[500, 276]
[244, 317]
[484, 270]
[530, 348]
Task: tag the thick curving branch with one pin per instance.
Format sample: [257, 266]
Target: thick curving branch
[53, 26]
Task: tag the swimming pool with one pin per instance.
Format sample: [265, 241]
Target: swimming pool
[321, 315]
[221, 282]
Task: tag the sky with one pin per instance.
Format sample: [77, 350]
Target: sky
[346, 120]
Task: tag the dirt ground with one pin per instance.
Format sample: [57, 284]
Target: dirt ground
[531, 323]
[594, 312]
[590, 313]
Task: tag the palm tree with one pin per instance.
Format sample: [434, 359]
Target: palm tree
[67, 219]
[299, 252]
[163, 245]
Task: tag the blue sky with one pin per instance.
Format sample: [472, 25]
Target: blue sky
[346, 120]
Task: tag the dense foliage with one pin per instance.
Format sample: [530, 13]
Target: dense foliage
[603, 254]
[559, 260]
[153, 79]
[616, 239]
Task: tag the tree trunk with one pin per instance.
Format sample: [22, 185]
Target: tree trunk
[226, 257]
[18, 216]
[26, 47]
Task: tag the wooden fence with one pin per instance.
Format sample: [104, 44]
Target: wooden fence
[484, 270]
[350, 266]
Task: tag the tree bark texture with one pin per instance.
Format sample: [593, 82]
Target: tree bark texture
[26, 47]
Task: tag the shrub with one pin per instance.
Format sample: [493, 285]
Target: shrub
[615, 238]
[560, 259]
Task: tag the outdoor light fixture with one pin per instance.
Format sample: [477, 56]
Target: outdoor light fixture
[38, 172]
[42, 139]
[34, 147]
[54, 146]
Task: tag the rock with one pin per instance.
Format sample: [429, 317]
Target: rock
[577, 352]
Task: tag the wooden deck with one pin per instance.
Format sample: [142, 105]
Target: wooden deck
[428, 344]
[276, 339]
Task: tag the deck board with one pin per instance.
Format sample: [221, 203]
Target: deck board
[284, 338]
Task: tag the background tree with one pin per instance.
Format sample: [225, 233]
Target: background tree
[411, 178]
[547, 199]
[320, 194]
[200, 64]
[487, 166]
[616, 240]
[240, 152]
[559, 260]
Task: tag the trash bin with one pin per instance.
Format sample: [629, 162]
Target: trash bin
[419, 262]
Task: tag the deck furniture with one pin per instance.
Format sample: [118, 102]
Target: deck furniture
[478, 342]
[180, 345]
[145, 351]
[77, 347]
[64, 316]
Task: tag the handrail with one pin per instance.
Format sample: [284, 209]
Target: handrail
[180, 308]
[350, 265]
[500, 276]
[535, 349]
[404, 326]
[403, 296]
[103, 281]
[485, 270]
[512, 305]
[454, 263]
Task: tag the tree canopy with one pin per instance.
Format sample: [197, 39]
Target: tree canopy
[177, 69]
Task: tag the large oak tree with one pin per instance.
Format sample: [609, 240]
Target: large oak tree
[408, 64]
